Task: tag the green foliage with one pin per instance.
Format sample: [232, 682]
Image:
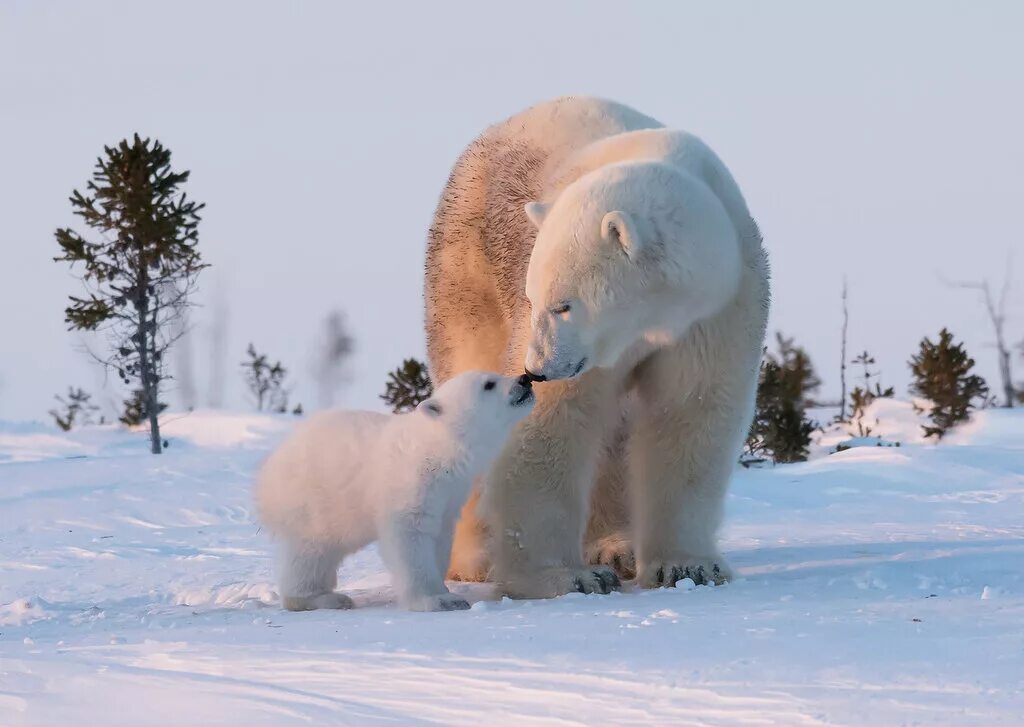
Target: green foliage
[781, 429]
[266, 382]
[1020, 388]
[136, 411]
[941, 374]
[407, 386]
[862, 396]
[76, 409]
[142, 266]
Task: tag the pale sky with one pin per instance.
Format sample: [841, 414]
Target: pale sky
[880, 141]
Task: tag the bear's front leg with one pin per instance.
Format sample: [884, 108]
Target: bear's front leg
[411, 544]
[536, 498]
[683, 450]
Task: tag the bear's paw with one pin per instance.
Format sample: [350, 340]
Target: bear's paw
[616, 552]
[665, 573]
[554, 582]
[439, 602]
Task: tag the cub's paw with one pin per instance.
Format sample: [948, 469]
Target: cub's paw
[311, 603]
[554, 582]
[667, 572]
[616, 552]
[438, 602]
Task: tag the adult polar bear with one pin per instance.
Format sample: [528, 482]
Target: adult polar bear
[618, 260]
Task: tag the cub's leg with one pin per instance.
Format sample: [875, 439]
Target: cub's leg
[309, 575]
[411, 547]
[538, 494]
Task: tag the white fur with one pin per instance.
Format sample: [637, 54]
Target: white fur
[345, 479]
[637, 249]
[645, 281]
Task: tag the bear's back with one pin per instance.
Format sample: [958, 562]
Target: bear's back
[559, 127]
[505, 167]
[327, 465]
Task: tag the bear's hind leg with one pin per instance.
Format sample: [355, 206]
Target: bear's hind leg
[467, 559]
[309, 575]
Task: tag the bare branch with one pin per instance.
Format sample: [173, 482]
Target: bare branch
[997, 316]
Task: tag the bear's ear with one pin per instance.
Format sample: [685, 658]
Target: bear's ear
[536, 212]
[618, 227]
[431, 408]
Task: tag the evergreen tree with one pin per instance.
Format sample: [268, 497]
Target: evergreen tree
[862, 396]
[135, 411]
[942, 375]
[407, 386]
[265, 381]
[140, 272]
[77, 409]
[781, 429]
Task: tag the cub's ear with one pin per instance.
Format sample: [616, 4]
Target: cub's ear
[536, 211]
[619, 227]
[430, 407]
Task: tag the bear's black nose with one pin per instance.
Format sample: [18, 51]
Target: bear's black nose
[525, 380]
[530, 376]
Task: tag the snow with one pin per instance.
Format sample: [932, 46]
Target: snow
[877, 586]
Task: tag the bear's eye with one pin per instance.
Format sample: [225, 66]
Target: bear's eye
[489, 385]
[561, 309]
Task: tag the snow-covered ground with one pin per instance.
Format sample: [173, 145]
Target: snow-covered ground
[878, 586]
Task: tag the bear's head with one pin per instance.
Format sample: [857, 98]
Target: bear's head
[478, 409]
[630, 252]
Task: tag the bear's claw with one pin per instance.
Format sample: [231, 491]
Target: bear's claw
[601, 580]
[668, 574]
[605, 582]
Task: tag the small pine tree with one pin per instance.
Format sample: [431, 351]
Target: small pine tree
[407, 386]
[77, 409]
[135, 411]
[265, 381]
[781, 429]
[862, 396]
[942, 375]
[139, 274]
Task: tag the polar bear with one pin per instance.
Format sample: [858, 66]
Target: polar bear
[344, 479]
[617, 260]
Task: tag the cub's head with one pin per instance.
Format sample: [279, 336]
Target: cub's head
[479, 409]
[632, 251]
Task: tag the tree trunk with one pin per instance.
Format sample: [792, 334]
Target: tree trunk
[997, 314]
[842, 360]
[1004, 371]
[149, 388]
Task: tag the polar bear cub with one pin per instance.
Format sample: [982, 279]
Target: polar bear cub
[344, 479]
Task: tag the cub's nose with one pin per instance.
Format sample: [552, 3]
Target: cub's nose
[521, 391]
[532, 376]
[526, 380]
